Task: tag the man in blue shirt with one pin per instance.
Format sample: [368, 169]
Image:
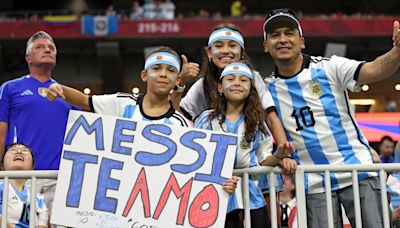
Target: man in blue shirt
[27, 116]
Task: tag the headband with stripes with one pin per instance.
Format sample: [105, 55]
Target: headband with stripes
[226, 33]
[237, 68]
[162, 58]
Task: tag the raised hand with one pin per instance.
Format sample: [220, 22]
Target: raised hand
[284, 149]
[189, 70]
[55, 91]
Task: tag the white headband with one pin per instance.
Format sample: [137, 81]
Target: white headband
[226, 33]
[237, 68]
[162, 58]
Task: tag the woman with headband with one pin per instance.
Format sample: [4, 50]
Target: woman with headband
[238, 110]
[226, 45]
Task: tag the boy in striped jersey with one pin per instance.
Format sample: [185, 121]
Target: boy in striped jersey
[310, 95]
[160, 73]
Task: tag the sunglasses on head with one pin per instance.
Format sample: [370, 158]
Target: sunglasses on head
[280, 11]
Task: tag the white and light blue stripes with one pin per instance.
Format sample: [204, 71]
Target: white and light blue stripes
[162, 58]
[317, 118]
[237, 68]
[226, 34]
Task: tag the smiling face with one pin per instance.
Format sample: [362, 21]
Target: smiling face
[235, 87]
[160, 78]
[18, 157]
[223, 52]
[284, 42]
[43, 52]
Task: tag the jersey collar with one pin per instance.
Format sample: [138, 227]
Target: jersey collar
[304, 65]
[167, 115]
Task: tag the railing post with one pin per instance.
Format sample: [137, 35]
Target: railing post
[32, 216]
[6, 183]
[356, 193]
[301, 198]
[246, 199]
[382, 178]
[272, 200]
[328, 195]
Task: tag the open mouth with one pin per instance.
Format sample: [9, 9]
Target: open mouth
[18, 158]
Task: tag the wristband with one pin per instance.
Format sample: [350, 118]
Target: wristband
[179, 89]
[276, 156]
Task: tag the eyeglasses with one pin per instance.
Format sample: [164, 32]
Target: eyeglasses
[280, 11]
[16, 150]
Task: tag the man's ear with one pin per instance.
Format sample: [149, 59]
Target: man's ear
[143, 75]
[265, 46]
[28, 59]
[302, 43]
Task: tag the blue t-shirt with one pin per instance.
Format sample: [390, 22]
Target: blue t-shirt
[34, 120]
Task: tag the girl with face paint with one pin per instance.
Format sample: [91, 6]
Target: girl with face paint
[161, 74]
[18, 156]
[238, 110]
[226, 45]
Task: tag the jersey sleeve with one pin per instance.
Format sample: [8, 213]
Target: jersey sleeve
[202, 121]
[194, 102]
[42, 211]
[345, 72]
[263, 92]
[265, 146]
[4, 103]
[105, 104]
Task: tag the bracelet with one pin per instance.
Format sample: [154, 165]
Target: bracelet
[179, 89]
[287, 156]
[278, 157]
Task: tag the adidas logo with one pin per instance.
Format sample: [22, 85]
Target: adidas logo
[27, 92]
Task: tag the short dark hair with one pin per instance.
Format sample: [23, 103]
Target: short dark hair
[386, 137]
[22, 144]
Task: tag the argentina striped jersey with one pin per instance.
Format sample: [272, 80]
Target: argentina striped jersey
[317, 116]
[246, 156]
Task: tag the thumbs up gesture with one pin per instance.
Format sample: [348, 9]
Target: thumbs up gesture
[189, 70]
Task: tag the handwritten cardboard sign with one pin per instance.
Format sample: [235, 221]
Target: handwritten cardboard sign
[117, 172]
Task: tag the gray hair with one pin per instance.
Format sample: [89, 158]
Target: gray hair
[38, 35]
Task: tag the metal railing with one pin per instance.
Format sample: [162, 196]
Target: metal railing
[33, 175]
[271, 171]
[300, 189]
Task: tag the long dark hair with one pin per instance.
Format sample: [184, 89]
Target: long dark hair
[254, 115]
[209, 71]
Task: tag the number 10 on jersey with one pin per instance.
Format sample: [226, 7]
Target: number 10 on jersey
[304, 118]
